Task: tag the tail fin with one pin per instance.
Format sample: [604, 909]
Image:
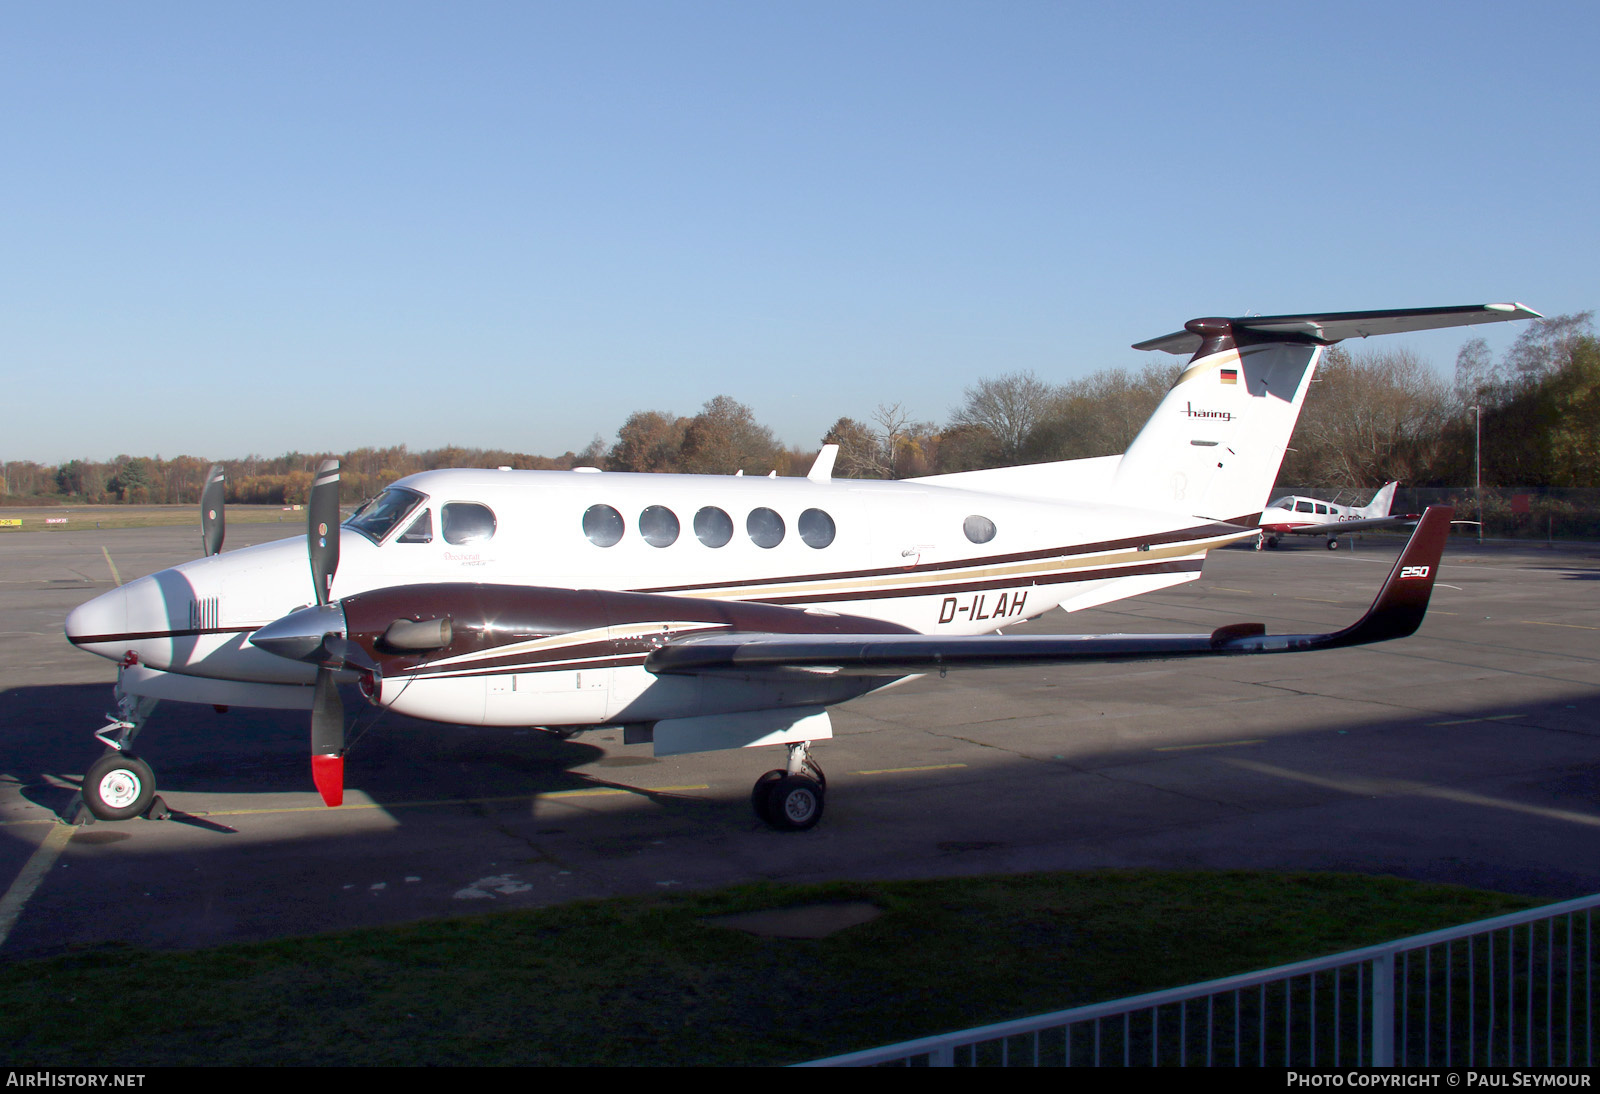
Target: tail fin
[1381, 502]
[1214, 445]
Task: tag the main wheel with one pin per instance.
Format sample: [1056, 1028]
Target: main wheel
[1333, 545]
[1272, 542]
[794, 803]
[118, 786]
[758, 793]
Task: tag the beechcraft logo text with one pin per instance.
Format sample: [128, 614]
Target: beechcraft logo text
[1413, 571]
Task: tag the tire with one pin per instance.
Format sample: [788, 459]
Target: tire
[118, 786]
[1333, 545]
[1272, 543]
[758, 794]
[794, 803]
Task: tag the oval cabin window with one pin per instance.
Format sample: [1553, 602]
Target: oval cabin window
[713, 527]
[603, 525]
[765, 527]
[978, 529]
[659, 526]
[816, 528]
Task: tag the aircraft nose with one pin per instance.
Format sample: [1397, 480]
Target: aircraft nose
[298, 635]
[101, 623]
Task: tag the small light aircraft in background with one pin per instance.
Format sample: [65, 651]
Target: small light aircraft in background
[1292, 515]
[717, 612]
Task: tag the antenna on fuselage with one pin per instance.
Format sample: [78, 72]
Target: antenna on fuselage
[822, 466]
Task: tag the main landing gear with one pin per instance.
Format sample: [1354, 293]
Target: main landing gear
[791, 799]
[119, 785]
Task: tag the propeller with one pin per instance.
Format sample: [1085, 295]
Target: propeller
[212, 517]
[327, 710]
[322, 528]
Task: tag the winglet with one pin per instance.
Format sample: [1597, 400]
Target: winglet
[1403, 600]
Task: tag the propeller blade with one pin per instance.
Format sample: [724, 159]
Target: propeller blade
[322, 528]
[212, 518]
[327, 739]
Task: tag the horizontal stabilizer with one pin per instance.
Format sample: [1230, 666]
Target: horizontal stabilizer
[1397, 612]
[1326, 328]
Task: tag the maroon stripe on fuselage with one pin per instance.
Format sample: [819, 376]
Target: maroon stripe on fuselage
[1187, 535]
[140, 636]
[978, 585]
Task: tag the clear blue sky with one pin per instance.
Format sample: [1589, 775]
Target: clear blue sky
[238, 228]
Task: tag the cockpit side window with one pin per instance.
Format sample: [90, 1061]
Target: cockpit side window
[467, 522]
[378, 518]
[421, 530]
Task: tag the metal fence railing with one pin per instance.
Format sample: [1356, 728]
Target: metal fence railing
[1516, 990]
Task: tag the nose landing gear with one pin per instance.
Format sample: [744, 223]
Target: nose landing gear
[119, 785]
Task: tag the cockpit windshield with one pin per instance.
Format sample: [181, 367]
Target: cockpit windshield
[378, 517]
[1285, 502]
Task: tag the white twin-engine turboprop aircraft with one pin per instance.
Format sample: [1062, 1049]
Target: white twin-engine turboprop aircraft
[718, 612]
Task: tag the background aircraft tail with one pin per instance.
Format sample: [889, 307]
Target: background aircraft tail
[1381, 502]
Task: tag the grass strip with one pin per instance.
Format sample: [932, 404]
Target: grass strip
[645, 981]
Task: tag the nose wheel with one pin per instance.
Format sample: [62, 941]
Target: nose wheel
[792, 799]
[118, 786]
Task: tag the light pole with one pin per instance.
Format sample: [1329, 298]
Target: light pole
[1477, 460]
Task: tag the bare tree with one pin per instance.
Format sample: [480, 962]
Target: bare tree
[1372, 417]
[1008, 407]
[1100, 415]
[859, 454]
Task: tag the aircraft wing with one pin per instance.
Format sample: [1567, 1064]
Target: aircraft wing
[1343, 526]
[1397, 612]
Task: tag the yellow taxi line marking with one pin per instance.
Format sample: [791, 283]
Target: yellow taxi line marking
[1226, 589]
[1573, 626]
[1318, 600]
[116, 579]
[1217, 744]
[903, 770]
[28, 878]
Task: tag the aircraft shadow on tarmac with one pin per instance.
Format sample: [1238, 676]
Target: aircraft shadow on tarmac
[1500, 795]
[246, 751]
